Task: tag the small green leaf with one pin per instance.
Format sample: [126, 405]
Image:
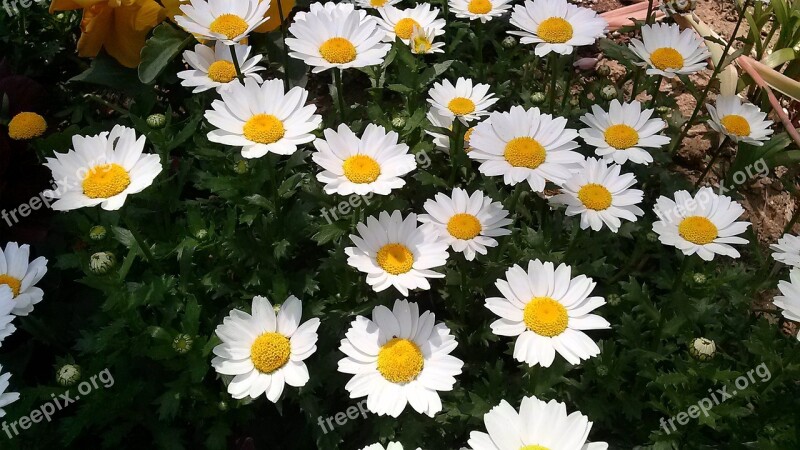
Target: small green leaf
[165, 44]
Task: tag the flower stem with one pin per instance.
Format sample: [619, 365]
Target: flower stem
[283, 45]
[654, 92]
[337, 77]
[711, 163]
[456, 149]
[553, 77]
[235, 62]
[635, 86]
[568, 82]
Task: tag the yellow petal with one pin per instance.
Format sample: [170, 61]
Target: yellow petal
[124, 42]
[149, 15]
[95, 25]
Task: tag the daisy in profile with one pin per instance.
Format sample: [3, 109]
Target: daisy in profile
[214, 69]
[102, 170]
[787, 250]
[393, 251]
[21, 276]
[623, 133]
[6, 316]
[375, 4]
[601, 196]
[548, 311]
[789, 302]
[467, 223]
[262, 119]
[222, 20]
[464, 101]
[442, 141]
[742, 122]
[666, 50]
[401, 22]
[264, 352]
[6, 398]
[525, 145]
[483, 10]
[556, 26]
[376, 162]
[399, 357]
[336, 37]
[704, 224]
[422, 41]
[536, 426]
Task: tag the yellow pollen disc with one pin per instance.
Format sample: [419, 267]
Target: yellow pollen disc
[26, 125]
[666, 58]
[525, 152]
[479, 6]
[421, 44]
[405, 27]
[698, 230]
[229, 25]
[11, 282]
[361, 169]
[270, 352]
[106, 181]
[621, 137]
[264, 129]
[554, 30]
[377, 3]
[338, 50]
[461, 106]
[464, 226]
[222, 71]
[545, 316]
[736, 125]
[595, 196]
[400, 360]
[395, 258]
[534, 447]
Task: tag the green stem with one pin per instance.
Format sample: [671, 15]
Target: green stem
[572, 240]
[515, 198]
[148, 255]
[654, 92]
[283, 45]
[678, 283]
[711, 163]
[635, 86]
[647, 19]
[235, 62]
[337, 77]
[456, 149]
[553, 77]
[568, 82]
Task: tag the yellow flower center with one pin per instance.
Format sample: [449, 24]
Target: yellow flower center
[545, 316]
[698, 230]
[377, 3]
[229, 25]
[270, 352]
[464, 226]
[361, 169]
[26, 125]
[525, 152]
[106, 181]
[264, 129]
[736, 125]
[595, 196]
[405, 27]
[421, 43]
[666, 58]
[11, 282]
[621, 137]
[222, 71]
[461, 106]
[554, 30]
[395, 258]
[338, 50]
[534, 447]
[400, 360]
[479, 6]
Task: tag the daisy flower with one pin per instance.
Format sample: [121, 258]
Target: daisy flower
[401, 22]
[214, 69]
[264, 352]
[556, 26]
[666, 50]
[352, 165]
[467, 223]
[399, 357]
[21, 276]
[6, 398]
[704, 224]
[623, 133]
[421, 41]
[484, 10]
[336, 37]
[6, 314]
[601, 195]
[389, 446]
[787, 250]
[393, 251]
[442, 141]
[465, 101]
[375, 4]
[26, 125]
[222, 20]
[102, 170]
[547, 310]
[262, 119]
[536, 426]
[742, 122]
[525, 145]
[789, 302]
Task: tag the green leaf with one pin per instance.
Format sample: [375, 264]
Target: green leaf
[165, 44]
[105, 71]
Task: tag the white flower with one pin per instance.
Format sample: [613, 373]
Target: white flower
[668, 51]
[484, 10]
[6, 398]
[442, 141]
[547, 310]
[601, 195]
[742, 122]
[789, 302]
[422, 41]
[21, 276]
[373, 163]
[222, 20]
[556, 26]
[467, 223]
[102, 170]
[263, 119]
[787, 250]
[375, 4]
[399, 357]
[620, 134]
[214, 69]
[537, 426]
[6, 312]
[704, 224]
[389, 446]
[393, 251]
[401, 22]
[265, 352]
[465, 101]
[525, 145]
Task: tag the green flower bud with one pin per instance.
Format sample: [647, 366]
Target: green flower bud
[702, 348]
[222, 405]
[102, 262]
[613, 299]
[602, 370]
[398, 121]
[608, 92]
[537, 98]
[574, 101]
[699, 278]
[156, 121]
[603, 70]
[68, 374]
[201, 235]
[97, 233]
[241, 167]
[509, 42]
[663, 110]
[182, 343]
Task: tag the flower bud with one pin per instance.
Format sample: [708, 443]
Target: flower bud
[613, 299]
[537, 98]
[702, 348]
[102, 262]
[97, 233]
[603, 70]
[156, 121]
[699, 278]
[241, 167]
[68, 374]
[608, 92]
[398, 121]
[509, 42]
[182, 343]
